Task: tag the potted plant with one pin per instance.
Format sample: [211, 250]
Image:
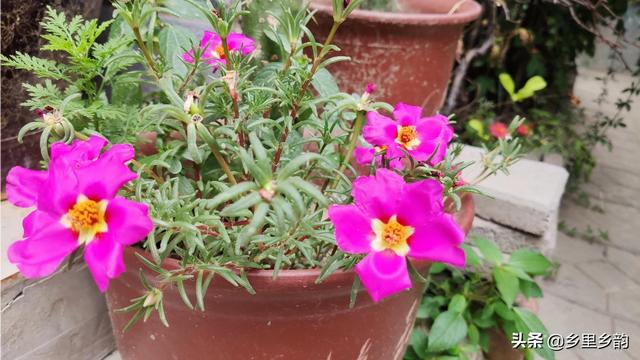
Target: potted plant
[240, 227]
[407, 47]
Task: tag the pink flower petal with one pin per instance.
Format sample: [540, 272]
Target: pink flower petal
[420, 202]
[103, 256]
[80, 151]
[379, 130]
[353, 228]
[377, 195]
[396, 164]
[383, 273]
[438, 240]
[242, 43]
[23, 186]
[128, 221]
[188, 56]
[48, 243]
[434, 133]
[210, 40]
[363, 155]
[92, 180]
[407, 115]
[60, 191]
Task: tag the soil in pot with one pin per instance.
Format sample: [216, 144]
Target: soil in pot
[408, 55]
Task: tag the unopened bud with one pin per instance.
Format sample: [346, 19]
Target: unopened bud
[231, 79]
[153, 296]
[371, 87]
[190, 102]
[268, 191]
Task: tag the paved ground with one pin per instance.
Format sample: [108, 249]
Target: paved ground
[597, 289]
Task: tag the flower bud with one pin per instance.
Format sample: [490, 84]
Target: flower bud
[190, 103]
[153, 296]
[268, 191]
[371, 87]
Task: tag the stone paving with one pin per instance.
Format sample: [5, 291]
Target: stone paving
[597, 288]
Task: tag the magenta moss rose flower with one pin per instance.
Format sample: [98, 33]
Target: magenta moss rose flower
[391, 220]
[77, 205]
[419, 136]
[214, 52]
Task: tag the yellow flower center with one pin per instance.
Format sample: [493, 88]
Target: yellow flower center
[391, 235]
[86, 218]
[380, 148]
[408, 137]
[219, 51]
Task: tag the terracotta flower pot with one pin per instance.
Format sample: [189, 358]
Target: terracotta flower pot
[408, 55]
[288, 318]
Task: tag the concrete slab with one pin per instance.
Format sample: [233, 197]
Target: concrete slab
[573, 285]
[625, 303]
[527, 199]
[606, 275]
[572, 251]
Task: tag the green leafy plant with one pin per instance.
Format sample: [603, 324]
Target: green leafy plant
[532, 40]
[461, 308]
[534, 84]
[75, 93]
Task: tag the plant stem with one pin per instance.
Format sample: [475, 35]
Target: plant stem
[145, 51]
[303, 90]
[223, 163]
[148, 171]
[227, 58]
[358, 124]
[287, 64]
[187, 79]
[355, 134]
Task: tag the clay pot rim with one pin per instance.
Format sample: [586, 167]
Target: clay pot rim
[309, 276]
[469, 11]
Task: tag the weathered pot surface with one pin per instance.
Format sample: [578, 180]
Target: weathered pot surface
[288, 318]
[408, 55]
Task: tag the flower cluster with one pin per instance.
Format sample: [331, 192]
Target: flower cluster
[391, 220]
[77, 205]
[423, 138]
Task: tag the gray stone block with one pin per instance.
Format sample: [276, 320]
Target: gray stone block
[61, 317]
[509, 239]
[527, 199]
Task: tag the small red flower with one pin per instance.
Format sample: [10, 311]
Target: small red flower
[524, 130]
[499, 130]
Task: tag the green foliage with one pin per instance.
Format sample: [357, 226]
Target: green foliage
[534, 84]
[78, 99]
[460, 307]
[535, 46]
